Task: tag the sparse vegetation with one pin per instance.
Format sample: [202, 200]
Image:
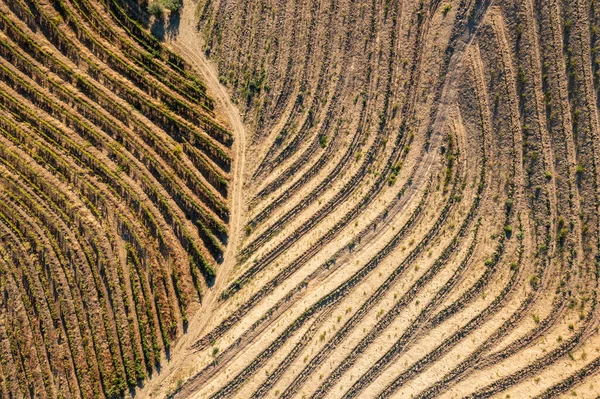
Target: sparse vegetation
[446, 9]
[411, 189]
[114, 197]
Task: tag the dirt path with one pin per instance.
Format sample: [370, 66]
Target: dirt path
[188, 43]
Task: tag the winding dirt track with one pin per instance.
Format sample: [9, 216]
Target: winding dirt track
[184, 44]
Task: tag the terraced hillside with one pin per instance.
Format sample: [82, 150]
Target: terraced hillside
[405, 205]
[421, 199]
[115, 174]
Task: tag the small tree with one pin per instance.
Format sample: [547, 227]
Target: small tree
[155, 8]
[171, 5]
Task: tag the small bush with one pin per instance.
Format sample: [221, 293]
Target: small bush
[171, 5]
[534, 281]
[155, 9]
[391, 179]
[323, 140]
[562, 234]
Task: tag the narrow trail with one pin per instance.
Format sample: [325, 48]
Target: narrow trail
[187, 39]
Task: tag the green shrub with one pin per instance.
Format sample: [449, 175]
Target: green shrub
[562, 234]
[534, 281]
[323, 140]
[171, 5]
[155, 8]
[392, 179]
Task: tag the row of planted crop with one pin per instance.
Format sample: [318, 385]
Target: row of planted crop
[132, 376]
[83, 128]
[338, 294]
[93, 251]
[100, 97]
[335, 297]
[152, 45]
[136, 205]
[303, 258]
[91, 195]
[275, 155]
[115, 182]
[25, 321]
[374, 151]
[459, 304]
[308, 176]
[43, 250]
[400, 141]
[70, 315]
[103, 269]
[328, 267]
[56, 87]
[204, 231]
[143, 58]
[383, 124]
[406, 299]
[315, 218]
[372, 300]
[432, 321]
[157, 113]
[108, 55]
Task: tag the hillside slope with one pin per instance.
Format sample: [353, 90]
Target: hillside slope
[422, 200]
[299, 199]
[115, 178]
